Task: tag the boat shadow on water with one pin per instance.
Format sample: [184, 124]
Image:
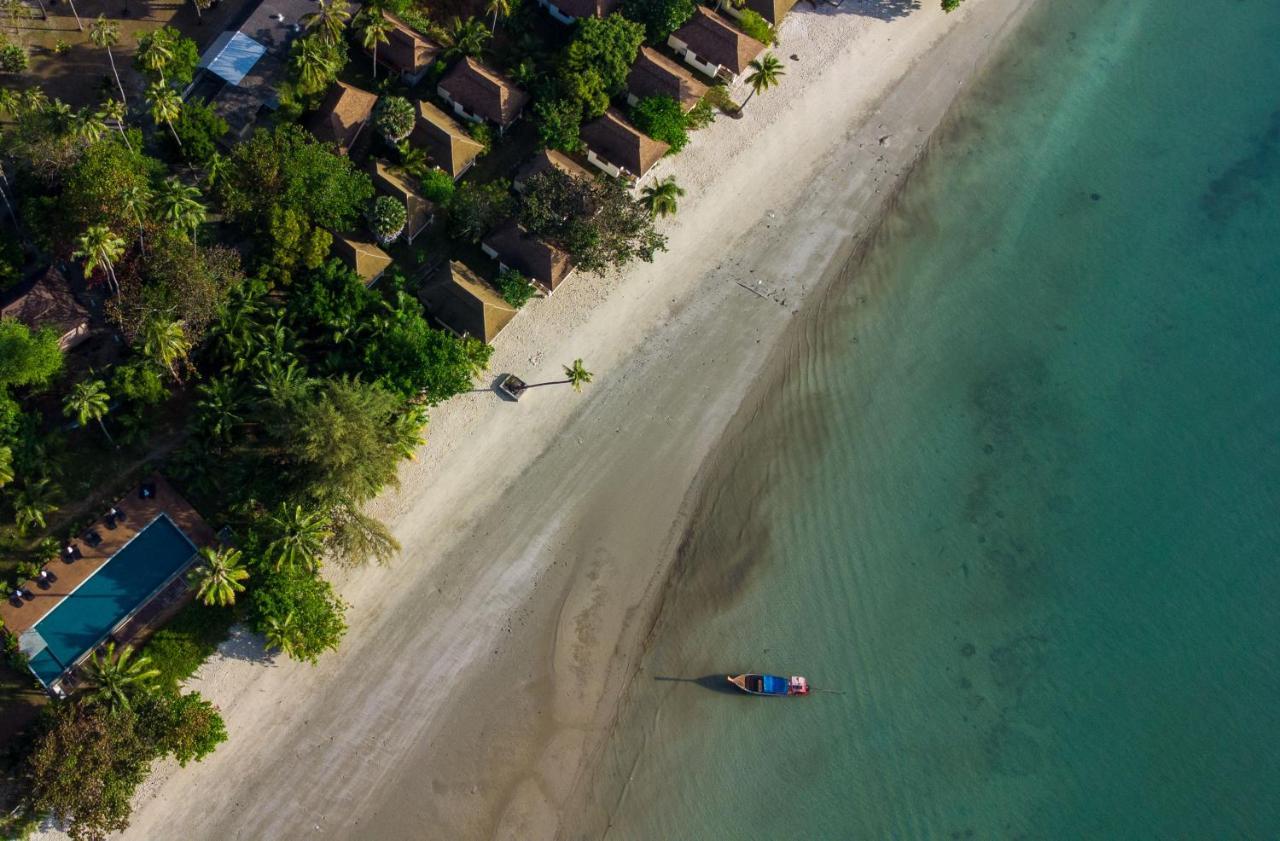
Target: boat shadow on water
[714, 683]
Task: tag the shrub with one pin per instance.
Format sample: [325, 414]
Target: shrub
[437, 186]
[183, 57]
[482, 134]
[515, 288]
[299, 610]
[757, 27]
[10, 260]
[660, 117]
[199, 128]
[476, 208]
[394, 118]
[13, 59]
[559, 122]
[186, 726]
[140, 382]
[179, 648]
[660, 17]
[700, 116]
[387, 216]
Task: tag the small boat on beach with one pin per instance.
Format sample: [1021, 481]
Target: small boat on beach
[754, 684]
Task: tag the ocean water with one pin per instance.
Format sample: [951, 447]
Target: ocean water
[1016, 496]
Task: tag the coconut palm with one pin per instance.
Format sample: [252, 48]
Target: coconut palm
[219, 408]
[136, 198]
[6, 466]
[30, 504]
[100, 248]
[330, 19]
[282, 633]
[314, 63]
[661, 196]
[499, 9]
[575, 375]
[106, 34]
[165, 341]
[87, 401]
[114, 112]
[374, 30]
[216, 170]
[408, 432]
[79, 25]
[218, 575]
[179, 205]
[466, 38]
[155, 53]
[301, 537]
[166, 106]
[111, 677]
[87, 126]
[766, 71]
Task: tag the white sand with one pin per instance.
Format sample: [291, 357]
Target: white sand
[483, 669]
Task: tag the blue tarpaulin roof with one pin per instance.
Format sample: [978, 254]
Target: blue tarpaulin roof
[232, 56]
[774, 685]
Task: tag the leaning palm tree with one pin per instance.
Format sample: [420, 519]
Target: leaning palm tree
[313, 62]
[330, 19]
[88, 401]
[106, 34]
[165, 341]
[465, 38]
[111, 678]
[79, 25]
[88, 126]
[100, 248]
[136, 198]
[166, 106]
[661, 197]
[499, 9]
[114, 112]
[156, 53]
[282, 633]
[765, 73]
[179, 205]
[575, 375]
[300, 537]
[374, 30]
[218, 575]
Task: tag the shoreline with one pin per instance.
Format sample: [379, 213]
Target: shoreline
[483, 673]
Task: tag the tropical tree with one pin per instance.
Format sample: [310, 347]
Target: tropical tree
[136, 198]
[300, 537]
[313, 60]
[394, 117]
[766, 71]
[283, 634]
[330, 18]
[87, 401]
[155, 54]
[661, 196]
[87, 126]
[6, 466]
[79, 25]
[166, 106]
[106, 34]
[575, 375]
[500, 9]
[179, 205]
[100, 248]
[114, 112]
[219, 408]
[111, 677]
[33, 502]
[465, 38]
[218, 575]
[387, 218]
[374, 30]
[165, 341]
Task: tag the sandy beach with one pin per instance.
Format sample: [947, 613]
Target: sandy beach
[483, 668]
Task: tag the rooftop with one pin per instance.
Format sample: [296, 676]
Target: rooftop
[546, 160]
[611, 137]
[342, 115]
[457, 298]
[654, 74]
[529, 255]
[447, 142]
[365, 258]
[484, 92]
[715, 39]
[47, 301]
[407, 50]
[394, 182]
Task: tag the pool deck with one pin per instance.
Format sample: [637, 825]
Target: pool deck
[71, 574]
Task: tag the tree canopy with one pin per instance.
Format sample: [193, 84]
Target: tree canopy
[661, 118]
[596, 62]
[27, 357]
[660, 17]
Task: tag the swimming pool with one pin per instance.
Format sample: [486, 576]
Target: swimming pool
[112, 594]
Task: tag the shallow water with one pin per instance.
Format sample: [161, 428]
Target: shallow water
[1017, 494]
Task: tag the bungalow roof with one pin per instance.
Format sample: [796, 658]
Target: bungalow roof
[533, 257]
[484, 92]
[47, 301]
[459, 299]
[407, 50]
[714, 38]
[365, 258]
[342, 115]
[546, 160]
[447, 142]
[393, 181]
[622, 144]
[654, 74]
[771, 10]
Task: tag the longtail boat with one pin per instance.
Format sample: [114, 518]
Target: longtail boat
[754, 684]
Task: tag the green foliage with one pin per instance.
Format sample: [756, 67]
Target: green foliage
[661, 118]
[387, 217]
[414, 359]
[139, 381]
[950, 5]
[115, 678]
[199, 128]
[596, 63]
[10, 260]
[175, 280]
[515, 288]
[465, 38]
[700, 116]
[218, 576]
[97, 185]
[757, 27]
[595, 220]
[437, 186]
[302, 610]
[660, 17]
[27, 357]
[559, 122]
[174, 56]
[482, 134]
[314, 63]
[476, 208]
[186, 727]
[394, 118]
[13, 59]
[178, 649]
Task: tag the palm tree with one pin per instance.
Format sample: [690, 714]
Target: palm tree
[201, 5]
[282, 634]
[100, 248]
[301, 537]
[166, 342]
[575, 375]
[106, 34]
[466, 38]
[87, 126]
[313, 63]
[111, 677]
[375, 31]
[765, 73]
[217, 578]
[408, 432]
[114, 112]
[499, 9]
[660, 197]
[219, 408]
[179, 205]
[166, 106]
[79, 25]
[6, 466]
[33, 502]
[137, 198]
[216, 170]
[330, 18]
[155, 53]
[88, 401]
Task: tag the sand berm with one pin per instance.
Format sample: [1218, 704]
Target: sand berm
[483, 668]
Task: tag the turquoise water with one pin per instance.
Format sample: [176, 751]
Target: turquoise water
[1018, 496]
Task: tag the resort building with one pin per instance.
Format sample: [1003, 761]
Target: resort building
[544, 161]
[123, 576]
[364, 258]
[771, 10]
[540, 261]
[392, 181]
[568, 11]
[447, 142]
[620, 149]
[460, 301]
[407, 52]
[241, 70]
[479, 94]
[714, 46]
[343, 114]
[47, 301]
[654, 74]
